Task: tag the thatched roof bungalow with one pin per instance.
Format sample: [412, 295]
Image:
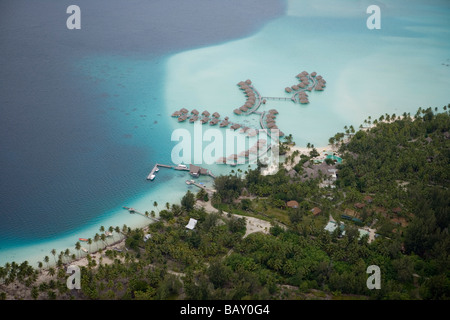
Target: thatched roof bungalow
[237, 111]
[216, 115]
[288, 90]
[206, 113]
[176, 114]
[214, 122]
[204, 120]
[195, 112]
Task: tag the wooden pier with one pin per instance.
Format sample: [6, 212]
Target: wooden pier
[279, 98]
[132, 210]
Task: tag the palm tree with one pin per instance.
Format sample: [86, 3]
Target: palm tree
[89, 243]
[78, 247]
[51, 271]
[67, 253]
[155, 204]
[111, 230]
[103, 237]
[102, 229]
[152, 213]
[96, 238]
[54, 253]
[46, 259]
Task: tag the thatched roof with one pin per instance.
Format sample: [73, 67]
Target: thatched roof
[216, 115]
[206, 113]
[292, 204]
[176, 114]
[288, 90]
[184, 110]
[237, 111]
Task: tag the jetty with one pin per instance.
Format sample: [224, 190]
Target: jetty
[155, 169]
[132, 210]
[279, 98]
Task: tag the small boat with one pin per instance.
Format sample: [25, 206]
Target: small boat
[85, 250]
[182, 166]
[152, 177]
[108, 234]
[131, 210]
[83, 239]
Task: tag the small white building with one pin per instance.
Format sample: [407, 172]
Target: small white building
[192, 223]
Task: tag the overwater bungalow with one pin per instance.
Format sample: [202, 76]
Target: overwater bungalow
[243, 108]
[176, 114]
[304, 100]
[216, 115]
[241, 83]
[280, 133]
[305, 73]
[184, 110]
[318, 87]
[302, 85]
[195, 112]
[303, 93]
[224, 123]
[206, 113]
[270, 123]
[193, 119]
[288, 90]
[251, 132]
[235, 126]
[318, 77]
[264, 101]
[214, 122]
[204, 120]
[233, 157]
[248, 81]
[273, 111]
[313, 74]
[237, 111]
[182, 118]
[295, 87]
[221, 160]
[244, 129]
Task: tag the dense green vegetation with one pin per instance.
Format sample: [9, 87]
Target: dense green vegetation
[394, 178]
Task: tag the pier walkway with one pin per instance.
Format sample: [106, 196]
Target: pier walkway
[280, 98]
[132, 210]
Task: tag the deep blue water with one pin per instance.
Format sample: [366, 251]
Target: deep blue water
[81, 111]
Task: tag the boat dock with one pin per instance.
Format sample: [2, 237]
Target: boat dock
[132, 210]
